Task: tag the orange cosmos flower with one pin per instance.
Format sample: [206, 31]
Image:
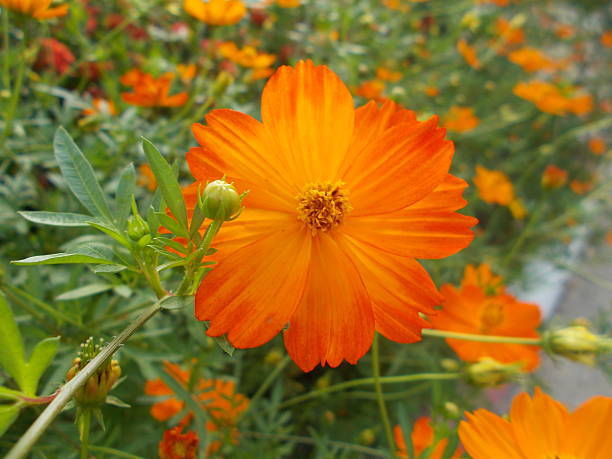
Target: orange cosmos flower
[493, 186]
[288, 3]
[580, 186]
[540, 427]
[38, 9]
[507, 33]
[422, 438]
[216, 12]
[474, 309]
[216, 397]
[606, 39]
[549, 98]
[554, 177]
[150, 91]
[597, 145]
[247, 56]
[468, 53]
[341, 203]
[482, 276]
[532, 60]
[385, 74]
[178, 445]
[371, 90]
[461, 119]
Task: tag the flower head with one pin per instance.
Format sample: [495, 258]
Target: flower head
[178, 445]
[38, 9]
[341, 203]
[54, 55]
[540, 427]
[597, 145]
[532, 60]
[422, 438]
[478, 310]
[554, 177]
[461, 119]
[468, 53]
[150, 91]
[248, 56]
[493, 186]
[216, 12]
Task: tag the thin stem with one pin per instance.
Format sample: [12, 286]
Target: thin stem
[6, 79]
[270, 379]
[380, 399]
[114, 452]
[481, 338]
[368, 382]
[16, 91]
[526, 230]
[84, 427]
[27, 441]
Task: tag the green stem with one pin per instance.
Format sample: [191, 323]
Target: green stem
[270, 379]
[27, 440]
[526, 230]
[481, 338]
[84, 427]
[6, 79]
[368, 382]
[15, 93]
[114, 452]
[380, 399]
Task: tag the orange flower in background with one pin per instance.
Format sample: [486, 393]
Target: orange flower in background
[508, 34]
[431, 91]
[532, 60]
[564, 31]
[494, 187]
[341, 203]
[150, 91]
[517, 209]
[468, 53]
[482, 276]
[477, 310]
[385, 74]
[288, 3]
[422, 438]
[371, 90]
[461, 119]
[549, 98]
[554, 177]
[217, 398]
[540, 427]
[178, 445]
[248, 56]
[606, 39]
[597, 145]
[100, 106]
[38, 9]
[216, 12]
[146, 177]
[581, 186]
[187, 72]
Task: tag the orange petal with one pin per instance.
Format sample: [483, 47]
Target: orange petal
[487, 436]
[174, 101]
[447, 197]
[49, 13]
[162, 411]
[334, 321]
[589, 429]
[239, 146]
[252, 293]
[309, 112]
[400, 167]
[399, 288]
[414, 233]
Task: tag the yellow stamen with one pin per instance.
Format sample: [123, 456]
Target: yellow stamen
[491, 317]
[322, 206]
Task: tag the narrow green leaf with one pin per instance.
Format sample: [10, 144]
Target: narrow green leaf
[171, 225]
[62, 258]
[123, 198]
[79, 175]
[9, 394]
[8, 414]
[41, 358]
[56, 218]
[110, 231]
[178, 302]
[82, 292]
[11, 344]
[167, 182]
[108, 268]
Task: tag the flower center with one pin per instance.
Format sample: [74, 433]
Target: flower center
[322, 205]
[491, 316]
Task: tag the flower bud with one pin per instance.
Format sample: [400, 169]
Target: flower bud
[220, 201]
[452, 410]
[138, 228]
[488, 372]
[367, 437]
[576, 343]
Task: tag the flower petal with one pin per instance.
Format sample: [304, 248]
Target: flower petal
[399, 168]
[485, 435]
[309, 112]
[589, 434]
[399, 288]
[334, 321]
[252, 293]
[238, 145]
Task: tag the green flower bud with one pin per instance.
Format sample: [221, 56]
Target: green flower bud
[220, 201]
[137, 228]
[576, 343]
[488, 372]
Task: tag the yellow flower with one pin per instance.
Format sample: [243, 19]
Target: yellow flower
[216, 12]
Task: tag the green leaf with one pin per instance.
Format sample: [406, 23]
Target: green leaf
[178, 302]
[8, 414]
[11, 344]
[41, 358]
[9, 394]
[62, 258]
[56, 218]
[123, 198]
[110, 231]
[108, 268]
[112, 400]
[171, 225]
[82, 292]
[167, 182]
[79, 175]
